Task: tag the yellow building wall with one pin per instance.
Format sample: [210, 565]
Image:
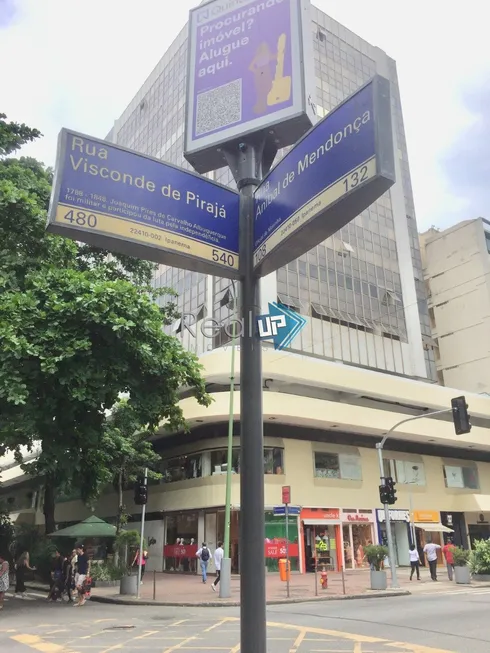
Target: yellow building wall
[306, 489]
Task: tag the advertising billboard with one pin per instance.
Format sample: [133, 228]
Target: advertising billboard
[117, 199]
[246, 72]
[343, 165]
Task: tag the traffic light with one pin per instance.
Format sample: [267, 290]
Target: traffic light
[383, 494]
[391, 492]
[461, 418]
[141, 493]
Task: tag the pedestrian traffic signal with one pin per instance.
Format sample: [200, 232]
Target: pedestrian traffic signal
[461, 418]
[391, 492]
[141, 493]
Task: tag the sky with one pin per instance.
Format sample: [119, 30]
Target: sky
[78, 63]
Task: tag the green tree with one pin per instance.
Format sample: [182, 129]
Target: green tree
[77, 331]
[126, 451]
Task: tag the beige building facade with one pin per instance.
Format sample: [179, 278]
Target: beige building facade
[321, 422]
[457, 272]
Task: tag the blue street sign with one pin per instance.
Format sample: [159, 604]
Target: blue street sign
[340, 167]
[281, 325]
[293, 511]
[117, 199]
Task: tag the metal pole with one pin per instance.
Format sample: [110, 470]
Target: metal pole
[287, 550]
[412, 527]
[225, 574]
[246, 164]
[379, 447]
[343, 579]
[316, 561]
[143, 513]
[391, 548]
[154, 585]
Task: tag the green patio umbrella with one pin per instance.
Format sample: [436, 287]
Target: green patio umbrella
[88, 528]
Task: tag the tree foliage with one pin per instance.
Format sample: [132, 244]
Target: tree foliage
[77, 330]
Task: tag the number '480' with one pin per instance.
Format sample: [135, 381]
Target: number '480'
[81, 218]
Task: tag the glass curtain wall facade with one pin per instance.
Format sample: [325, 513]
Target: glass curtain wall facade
[355, 289]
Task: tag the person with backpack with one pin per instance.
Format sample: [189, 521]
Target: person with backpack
[204, 554]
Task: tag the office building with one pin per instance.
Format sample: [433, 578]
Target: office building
[457, 272]
[362, 290]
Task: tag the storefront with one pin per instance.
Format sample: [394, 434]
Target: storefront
[428, 528]
[456, 521]
[358, 530]
[320, 539]
[478, 526]
[400, 531]
[275, 540]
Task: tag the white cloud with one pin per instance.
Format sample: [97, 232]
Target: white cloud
[77, 63]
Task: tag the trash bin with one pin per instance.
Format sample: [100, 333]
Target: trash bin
[283, 566]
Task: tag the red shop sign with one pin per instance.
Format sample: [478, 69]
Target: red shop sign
[286, 494]
[278, 549]
[362, 518]
[180, 550]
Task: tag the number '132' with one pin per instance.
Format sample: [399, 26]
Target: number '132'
[355, 178]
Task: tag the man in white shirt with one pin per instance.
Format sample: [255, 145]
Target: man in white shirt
[430, 550]
[218, 557]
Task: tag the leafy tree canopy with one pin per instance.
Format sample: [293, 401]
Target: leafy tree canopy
[78, 328]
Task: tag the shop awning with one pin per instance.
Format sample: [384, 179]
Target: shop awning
[319, 522]
[433, 527]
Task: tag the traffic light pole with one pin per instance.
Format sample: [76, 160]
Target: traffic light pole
[143, 514]
[379, 447]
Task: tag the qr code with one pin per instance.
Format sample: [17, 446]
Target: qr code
[218, 108]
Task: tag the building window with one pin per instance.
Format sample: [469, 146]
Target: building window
[405, 471]
[342, 466]
[219, 459]
[461, 477]
[182, 468]
[487, 241]
[273, 460]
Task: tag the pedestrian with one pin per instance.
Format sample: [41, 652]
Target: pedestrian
[140, 561]
[448, 550]
[218, 557]
[4, 578]
[68, 574]
[414, 561]
[56, 577]
[21, 566]
[430, 550]
[204, 554]
[82, 570]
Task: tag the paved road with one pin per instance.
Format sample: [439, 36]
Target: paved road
[451, 622]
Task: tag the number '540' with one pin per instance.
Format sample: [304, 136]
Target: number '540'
[223, 257]
[81, 218]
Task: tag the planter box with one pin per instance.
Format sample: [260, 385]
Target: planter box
[485, 578]
[129, 585]
[462, 575]
[379, 580]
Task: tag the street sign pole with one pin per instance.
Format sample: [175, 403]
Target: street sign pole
[245, 162]
[287, 550]
[142, 537]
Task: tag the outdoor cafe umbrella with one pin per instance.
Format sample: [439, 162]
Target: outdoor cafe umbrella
[88, 528]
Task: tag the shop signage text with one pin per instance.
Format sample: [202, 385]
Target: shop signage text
[426, 516]
[362, 518]
[395, 515]
[180, 550]
[331, 514]
[277, 549]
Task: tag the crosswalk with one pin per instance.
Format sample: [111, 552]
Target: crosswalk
[29, 596]
[472, 591]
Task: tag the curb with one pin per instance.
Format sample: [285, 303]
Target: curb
[236, 604]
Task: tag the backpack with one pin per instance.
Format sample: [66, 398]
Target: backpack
[205, 554]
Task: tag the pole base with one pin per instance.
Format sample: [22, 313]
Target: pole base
[225, 579]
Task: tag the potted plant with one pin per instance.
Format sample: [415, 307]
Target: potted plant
[479, 562]
[376, 554]
[125, 546]
[461, 569]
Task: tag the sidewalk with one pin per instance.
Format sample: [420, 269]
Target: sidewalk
[183, 590]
